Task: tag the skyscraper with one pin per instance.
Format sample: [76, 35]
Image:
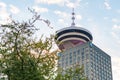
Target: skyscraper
[78, 49]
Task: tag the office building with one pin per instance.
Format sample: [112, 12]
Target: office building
[78, 49]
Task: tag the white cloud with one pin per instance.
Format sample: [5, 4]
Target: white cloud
[67, 3]
[118, 11]
[4, 15]
[38, 9]
[73, 4]
[115, 35]
[61, 20]
[70, 5]
[3, 11]
[50, 1]
[14, 9]
[90, 19]
[67, 15]
[2, 4]
[62, 14]
[116, 67]
[64, 17]
[119, 42]
[105, 18]
[116, 27]
[115, 20]
[79, 25]
[107, 5]
[78, 17]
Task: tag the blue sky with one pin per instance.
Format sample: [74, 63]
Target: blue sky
[101, 17]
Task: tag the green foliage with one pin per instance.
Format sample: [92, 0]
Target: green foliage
[76, 73]
[22, 57]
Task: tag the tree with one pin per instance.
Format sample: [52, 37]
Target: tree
[22, 57]
[76, 73]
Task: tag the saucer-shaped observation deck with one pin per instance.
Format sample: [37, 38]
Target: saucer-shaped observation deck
[72, 36]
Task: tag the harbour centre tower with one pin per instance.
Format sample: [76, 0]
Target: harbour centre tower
[78, 49]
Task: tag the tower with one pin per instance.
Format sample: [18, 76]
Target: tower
[72, 36]
[77, 48]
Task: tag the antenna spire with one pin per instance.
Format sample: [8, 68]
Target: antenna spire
[73, 18]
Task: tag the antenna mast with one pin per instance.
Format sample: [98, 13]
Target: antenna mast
[73, 18]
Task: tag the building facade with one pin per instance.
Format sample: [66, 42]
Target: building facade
[97, 64]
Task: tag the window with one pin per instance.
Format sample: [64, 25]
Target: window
[78, 52]
[70, 61]
[70, 54]
[82, 54]
[78, 58]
